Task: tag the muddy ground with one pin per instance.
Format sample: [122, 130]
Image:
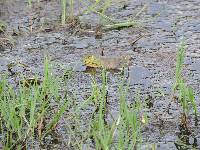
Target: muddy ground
[164, 23]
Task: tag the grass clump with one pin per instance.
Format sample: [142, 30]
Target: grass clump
[124, 132]
[186, 94]
[64, 10]
[25, 110]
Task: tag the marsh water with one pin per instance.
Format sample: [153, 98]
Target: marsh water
[163, 24]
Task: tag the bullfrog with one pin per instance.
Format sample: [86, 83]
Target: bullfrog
[107, 62]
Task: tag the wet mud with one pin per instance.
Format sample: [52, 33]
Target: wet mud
[152, 71]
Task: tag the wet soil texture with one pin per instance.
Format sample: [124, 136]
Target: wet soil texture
[163, 25]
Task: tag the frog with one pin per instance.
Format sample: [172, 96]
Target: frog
[107, 62]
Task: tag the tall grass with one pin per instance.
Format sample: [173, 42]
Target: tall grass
[71, 9]
[24, 110]
[179, 62]
[30, 3]
[125, 130]
[131, 121]
[101, 133]
[64, 11]
[186, 94]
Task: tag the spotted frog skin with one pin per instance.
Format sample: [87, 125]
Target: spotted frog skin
[107, 62]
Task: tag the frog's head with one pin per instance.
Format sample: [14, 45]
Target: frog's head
[91, 61]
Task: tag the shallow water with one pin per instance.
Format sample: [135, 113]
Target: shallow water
[164, 24]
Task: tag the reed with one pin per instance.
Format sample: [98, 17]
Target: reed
[64, 11]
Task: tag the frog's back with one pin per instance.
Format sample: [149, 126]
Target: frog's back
[115, 62]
